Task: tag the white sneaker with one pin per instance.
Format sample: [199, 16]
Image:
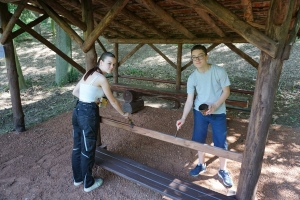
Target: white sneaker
[77, 183]
[98, 183]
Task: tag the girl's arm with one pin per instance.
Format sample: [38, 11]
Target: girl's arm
[113, 101]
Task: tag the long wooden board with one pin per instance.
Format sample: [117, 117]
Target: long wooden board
[153, 179]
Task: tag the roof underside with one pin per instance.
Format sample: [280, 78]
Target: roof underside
[173, 21]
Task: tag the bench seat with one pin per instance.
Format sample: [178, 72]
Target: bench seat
[235, 102]
[153, 179]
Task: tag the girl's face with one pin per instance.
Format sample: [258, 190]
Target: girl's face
[107, 65]
[199, 58]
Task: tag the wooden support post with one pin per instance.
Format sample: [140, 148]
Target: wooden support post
[269, 71]
[87, 15]
[116, 70]
[12, 21]
[178, 68]
[18, 114]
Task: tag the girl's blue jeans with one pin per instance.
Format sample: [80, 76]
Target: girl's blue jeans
[85, 121]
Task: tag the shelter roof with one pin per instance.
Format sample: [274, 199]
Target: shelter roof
[173, 21]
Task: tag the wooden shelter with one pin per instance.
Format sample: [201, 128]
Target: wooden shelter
[272, 26]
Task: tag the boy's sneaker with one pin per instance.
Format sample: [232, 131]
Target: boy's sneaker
[98, 183]
[198, 170]
[77, 183]
[224, 174]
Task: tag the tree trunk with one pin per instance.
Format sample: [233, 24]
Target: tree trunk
[65, 73]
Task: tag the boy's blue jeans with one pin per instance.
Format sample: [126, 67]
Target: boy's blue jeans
[85, 122]
[219, 128]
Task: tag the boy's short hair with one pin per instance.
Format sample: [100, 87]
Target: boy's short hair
[199, 47]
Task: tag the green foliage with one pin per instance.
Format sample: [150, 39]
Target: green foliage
[73, 75]
[27, 16]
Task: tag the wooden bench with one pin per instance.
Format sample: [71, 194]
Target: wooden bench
[178, 97]
[153, 179]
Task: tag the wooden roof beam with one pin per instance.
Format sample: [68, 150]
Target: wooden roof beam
[114, 11]
[137, 19]
[178, 41]
[30, 25]
[64, 25]
[50, 45]
[210, 21]
[151, 6]
[124, 27]
[203, 14]
[242, 54]
[67, 14]
[251, 34]
[32, 8]
[12, 21]
[163, 55]
[248, 14]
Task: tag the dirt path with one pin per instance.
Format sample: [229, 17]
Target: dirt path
[36, 164]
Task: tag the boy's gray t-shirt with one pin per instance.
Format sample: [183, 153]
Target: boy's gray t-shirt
[208, 86]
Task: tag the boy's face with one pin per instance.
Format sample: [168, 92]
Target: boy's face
[199, 58]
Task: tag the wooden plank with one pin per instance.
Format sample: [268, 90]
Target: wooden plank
[179, 94]
[179, 41]
[175, 140]
[151, 178]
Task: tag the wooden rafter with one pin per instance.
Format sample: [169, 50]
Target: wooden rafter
[248, 14]
[12, 21]
[242, 54]
[114, 11]
[137, 19]
[49, 45]
[251, 34]
[101, 45]
[120, 25]
[30, 25]
[151, 6]
[64, 25]
[210, 21]
[130, 53]
[64, 12]
[178, 41]
[163, 55]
